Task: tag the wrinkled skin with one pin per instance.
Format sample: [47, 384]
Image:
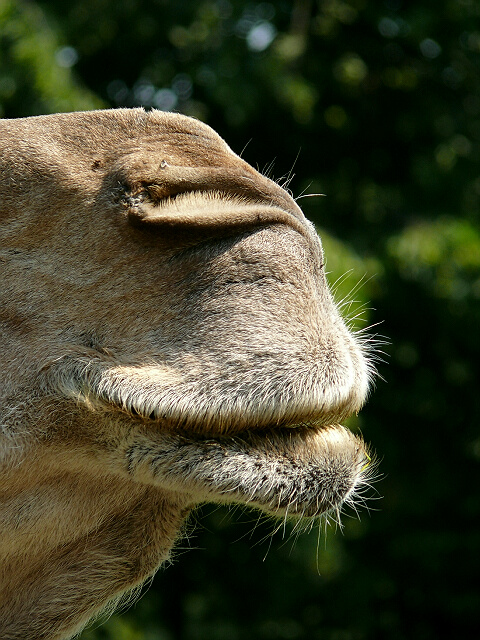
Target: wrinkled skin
[168, 338]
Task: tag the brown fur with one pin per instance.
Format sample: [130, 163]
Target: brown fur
[168, 338]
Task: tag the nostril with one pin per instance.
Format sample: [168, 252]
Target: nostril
[161, 191]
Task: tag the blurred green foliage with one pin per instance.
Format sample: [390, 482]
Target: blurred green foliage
[376, 104]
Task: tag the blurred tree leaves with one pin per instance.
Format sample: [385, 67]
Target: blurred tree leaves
[35, 75]
[376, 104]
[443, 254]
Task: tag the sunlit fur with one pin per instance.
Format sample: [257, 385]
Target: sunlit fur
[168, 338]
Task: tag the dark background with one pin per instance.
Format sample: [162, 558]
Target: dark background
[377, 105]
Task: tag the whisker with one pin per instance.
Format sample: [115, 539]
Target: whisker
[310, 195]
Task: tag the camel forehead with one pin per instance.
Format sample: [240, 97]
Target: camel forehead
[114, 131]
[129, 121]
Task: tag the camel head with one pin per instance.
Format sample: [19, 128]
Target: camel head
[168, 338]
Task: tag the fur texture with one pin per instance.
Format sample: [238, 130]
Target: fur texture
[168, 338]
